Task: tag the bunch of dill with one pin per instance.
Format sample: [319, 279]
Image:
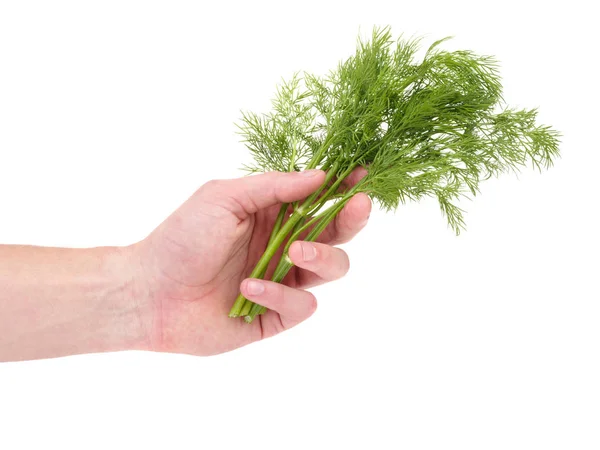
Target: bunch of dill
[434, 127]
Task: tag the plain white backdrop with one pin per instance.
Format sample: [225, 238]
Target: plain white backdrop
[112, 113]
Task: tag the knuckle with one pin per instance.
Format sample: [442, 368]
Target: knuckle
[274, 177]
[279, 186]
[212, 186]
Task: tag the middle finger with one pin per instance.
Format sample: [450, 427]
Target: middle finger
[317, 263]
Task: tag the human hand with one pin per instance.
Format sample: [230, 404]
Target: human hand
[192, 266]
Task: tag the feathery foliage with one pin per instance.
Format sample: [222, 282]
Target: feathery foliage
[430, 127]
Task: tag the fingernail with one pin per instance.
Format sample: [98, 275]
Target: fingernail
[254, 287]
[310, 173]
[309, 252]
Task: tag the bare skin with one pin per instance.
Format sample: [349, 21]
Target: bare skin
[171, 292]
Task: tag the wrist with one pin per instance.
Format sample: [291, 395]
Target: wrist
[130, 330]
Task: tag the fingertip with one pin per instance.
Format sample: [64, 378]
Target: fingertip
[360, 172]
[252, 287]
[311, 177]
[363, 204]
[294, 186]
[266, 189]
[293, 305]
[312, 305]
[295, 252]
[357, 211]
[306, 180]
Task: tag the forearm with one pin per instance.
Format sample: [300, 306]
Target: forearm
[59, 301]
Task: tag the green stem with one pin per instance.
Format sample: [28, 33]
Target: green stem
[247, 304]
[300, 228]
[285, 264]
[325, 217]
[263, 263]
[278, 222]
[318, 155]
[297, 232]
[333, 188]
[246, 307]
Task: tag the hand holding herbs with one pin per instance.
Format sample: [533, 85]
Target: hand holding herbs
[194, 262]
[385, 125]
[171, 291]
[430, 126]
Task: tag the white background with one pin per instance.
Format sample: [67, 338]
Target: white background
[112, 113]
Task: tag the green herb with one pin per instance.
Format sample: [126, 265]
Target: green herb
[433, 127]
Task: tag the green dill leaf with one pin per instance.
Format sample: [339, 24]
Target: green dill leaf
[433, 127]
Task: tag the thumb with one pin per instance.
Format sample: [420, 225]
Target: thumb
[247, 195]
